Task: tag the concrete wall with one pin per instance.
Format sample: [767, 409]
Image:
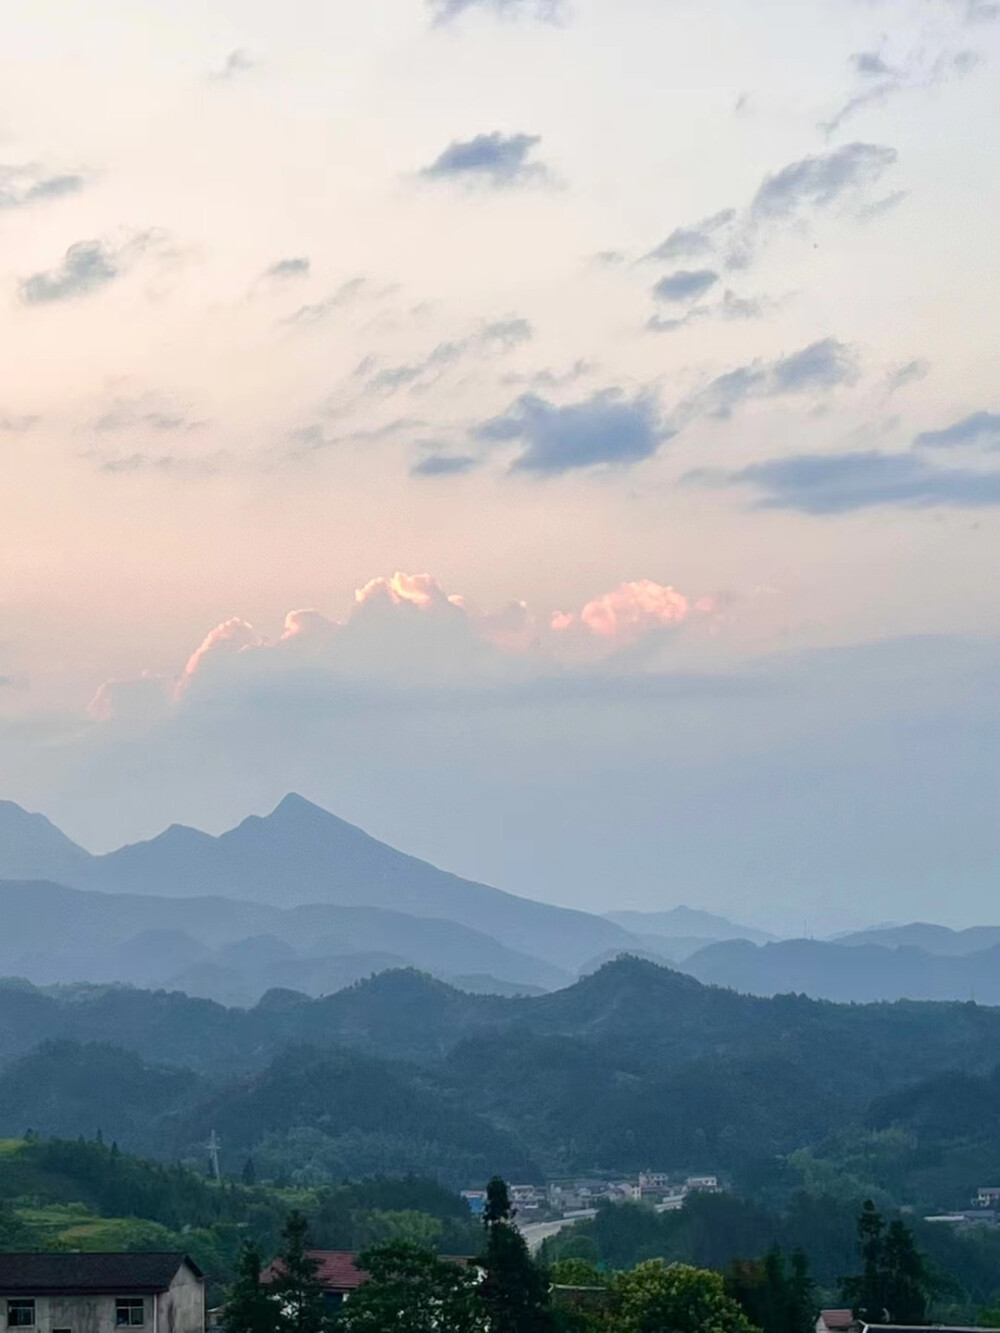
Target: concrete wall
[182, 1308]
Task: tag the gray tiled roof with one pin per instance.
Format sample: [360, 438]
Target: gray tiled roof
[115, 1274]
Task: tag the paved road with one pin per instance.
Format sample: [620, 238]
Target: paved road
[535, 1232]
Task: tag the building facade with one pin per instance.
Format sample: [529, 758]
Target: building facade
[101, 1293]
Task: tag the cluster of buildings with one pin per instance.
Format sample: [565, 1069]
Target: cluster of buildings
[562, 1198]
[985, 1210]
[145, 1293]
[165, 1293]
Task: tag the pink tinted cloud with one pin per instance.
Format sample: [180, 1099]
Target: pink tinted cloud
[404, 589]
[627, 612]
[514, 629]
[233, 635]
[422, 622]
[308, 624]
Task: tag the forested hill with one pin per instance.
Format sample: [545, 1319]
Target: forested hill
[642, 1009]
[634, 1065]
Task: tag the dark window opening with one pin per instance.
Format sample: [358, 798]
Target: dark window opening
[130, 1312]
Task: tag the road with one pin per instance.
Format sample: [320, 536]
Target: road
[535, 1232]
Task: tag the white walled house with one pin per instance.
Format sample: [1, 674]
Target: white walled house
[101, 1293]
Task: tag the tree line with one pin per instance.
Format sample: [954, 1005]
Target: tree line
[410, 1289]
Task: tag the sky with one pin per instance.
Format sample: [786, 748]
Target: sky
[561, 438]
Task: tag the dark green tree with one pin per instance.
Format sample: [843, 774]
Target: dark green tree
[655, 1297]
[251, 1307]
[410, 1290]
[908, 1281]
[514, 1290]
[801, 1294]
[296, 1285]
[772, 1297]
[895, 1284]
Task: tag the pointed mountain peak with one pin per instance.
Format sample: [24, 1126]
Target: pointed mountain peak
[295, 805]
[296, 813]
[31, 847]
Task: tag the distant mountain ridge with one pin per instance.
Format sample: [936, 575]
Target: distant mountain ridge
[930, 938]
[234, 951]
[301, 856]
[848, 973]
[686, 923]
[301, 900]
[31, 847]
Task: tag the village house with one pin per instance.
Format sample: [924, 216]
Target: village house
[337, 1272]
[836, 1321]
[102, 1293]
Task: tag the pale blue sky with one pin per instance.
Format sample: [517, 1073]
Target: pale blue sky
[673, 322]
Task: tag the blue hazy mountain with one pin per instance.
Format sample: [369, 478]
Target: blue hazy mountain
[688, 923]
[859, 973]
[31, 847]
[301, 855]
[235, 951]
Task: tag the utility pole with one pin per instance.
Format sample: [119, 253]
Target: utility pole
[213, 1145]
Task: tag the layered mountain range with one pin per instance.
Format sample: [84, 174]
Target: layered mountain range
[635, 1064]
[301, 900]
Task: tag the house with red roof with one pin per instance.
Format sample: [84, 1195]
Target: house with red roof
[338, 1274]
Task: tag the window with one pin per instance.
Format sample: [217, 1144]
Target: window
[20, 1314]
[130, 1312]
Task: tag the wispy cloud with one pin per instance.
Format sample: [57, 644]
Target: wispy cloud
[981, 429]
[498, 160]
[178, 465]
[692, 241]
[317, 436]
[908, 373]
[11, 424]
[295, 267]
[21, 186]
[732, 238]
[548, 378]
[147, 411]
[685, 284]
[443, 465]
[86, 267]
[840, 483]
[820, 180]
[546, 10]
[822, 365]
[313, 313]
[878, 80]
[731, 307]
[496, 336]
[238, 61]
[607, 428]
[915, 478]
